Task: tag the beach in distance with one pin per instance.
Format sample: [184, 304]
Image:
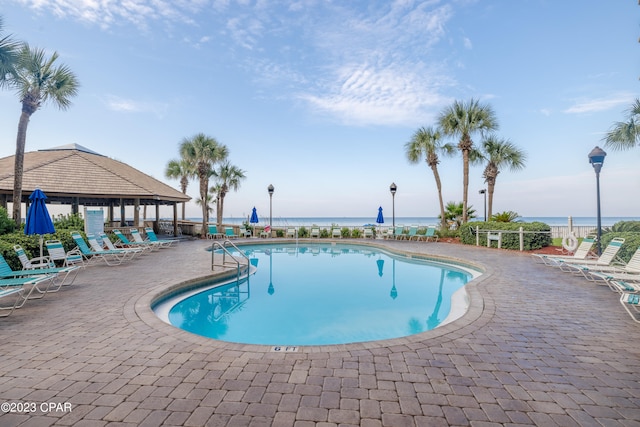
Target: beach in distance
[422, 221]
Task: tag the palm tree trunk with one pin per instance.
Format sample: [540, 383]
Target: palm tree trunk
[204, 185]
[465, 184]
[19, 165]
[490, 187]
[220, 208]
[443, 219]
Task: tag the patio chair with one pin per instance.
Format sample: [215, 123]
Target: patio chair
[117, 256]
[582, 253]
[315, 232]
[137, 238]
[367, 233]
[92, 256]
[398, 233]
[109, 244]
[630, 270]
[631, 303]
[125, 242]
[291, 232]
[57, 253]
[244, 232]
[607, 258]
[29, 263]
[61, 273]
[431, 234]
[152, 237]
[229, 234]
[336, 233]
[33, 281]
[266, 232]
[212, 232]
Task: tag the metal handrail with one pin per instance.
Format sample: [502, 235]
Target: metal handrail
[225, 252]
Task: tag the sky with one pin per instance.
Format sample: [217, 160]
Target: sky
[319, 97]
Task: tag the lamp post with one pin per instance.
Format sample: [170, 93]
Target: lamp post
[393, 188]
[596, 158]
[270, 190]
[484, 191]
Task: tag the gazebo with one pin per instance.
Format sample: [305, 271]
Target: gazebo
[77, 176]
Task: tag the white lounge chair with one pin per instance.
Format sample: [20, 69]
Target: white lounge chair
[368, 233]
[607, 258]
[631, 303]
[336, 233]
[628, 271]
[291, 232]
[582, 252]
[57, 253]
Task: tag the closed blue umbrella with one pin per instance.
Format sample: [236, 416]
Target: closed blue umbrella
[254, 217]
[380, 219]
[38, 219]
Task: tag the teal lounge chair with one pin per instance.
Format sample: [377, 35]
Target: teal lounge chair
[413, 233]
[58, 254]
[91, 256]
[229, 234]
[213, 232]
[118, 256]
[125, 242]
[137, 237]
[61, 273]
[33, 282]
[431, 234]
[151, 235]
[398, 233]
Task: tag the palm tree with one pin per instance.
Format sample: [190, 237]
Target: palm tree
[625, 135]
[183, 170]
[8, 56]
[426, 143]
[499, 153]
[454, 213]
[37, 80]
[228, 177]
[203, 152]
[463, 120]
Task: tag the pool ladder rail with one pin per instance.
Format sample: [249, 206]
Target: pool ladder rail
[222, 244]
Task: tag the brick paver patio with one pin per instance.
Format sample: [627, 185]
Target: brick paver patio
[537, 347]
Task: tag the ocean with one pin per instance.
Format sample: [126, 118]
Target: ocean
[360, 221]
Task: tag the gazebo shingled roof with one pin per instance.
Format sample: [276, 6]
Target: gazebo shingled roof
[75, 172]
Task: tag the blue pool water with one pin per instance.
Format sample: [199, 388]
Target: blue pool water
[321, 294]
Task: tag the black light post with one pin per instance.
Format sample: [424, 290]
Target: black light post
[596, 158]
[393, 188]
[484, 191]
[270, 190]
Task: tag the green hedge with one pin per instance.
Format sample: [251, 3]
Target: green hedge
[31, 244]
[537, 234]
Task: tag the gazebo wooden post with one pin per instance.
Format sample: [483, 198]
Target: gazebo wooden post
[136, 212]
[122, 213]
[175, 219]
[156, 224]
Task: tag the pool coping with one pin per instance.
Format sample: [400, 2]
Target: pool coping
[141, 307]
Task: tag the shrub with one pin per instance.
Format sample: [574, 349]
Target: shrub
[537, 234]
[324, 233]
[303, 232]
[345, 232]
[68, 222]
[622, 226]
[356, 233]
[7, 225]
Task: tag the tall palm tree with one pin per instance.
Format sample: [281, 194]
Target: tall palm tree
[183, 170]
[203, 152]
[8, 56]
[463, 120]
[37, 80]
[425, 144]
[228, 177]
[625, 135]
[499, 153]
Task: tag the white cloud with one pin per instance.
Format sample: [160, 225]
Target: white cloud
[124, 105]
[600, 104]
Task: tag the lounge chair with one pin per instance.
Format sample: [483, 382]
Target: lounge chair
[137, 238]
[315, 232]
[266, 232]
[9, 283]
[431, 234]
[109, 244]
[29, 263]
[336, 233]
[57, 253]
[92, 256]
[631, 303]
[628, 271]
[18, 299]
[152, 237]
[118, 255]
[413, 233]
[582, 253]
[213, 232]
[60, 273]
[368, 233]
[229, 234]
[125, 242]
[291, 232]
[398, 233]
[607, 258]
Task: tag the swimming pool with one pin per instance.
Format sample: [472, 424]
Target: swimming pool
[317, 294]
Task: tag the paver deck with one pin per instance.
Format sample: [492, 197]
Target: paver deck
[537, 347]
